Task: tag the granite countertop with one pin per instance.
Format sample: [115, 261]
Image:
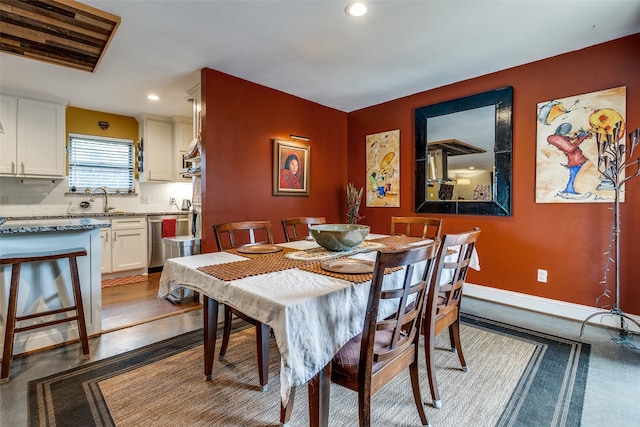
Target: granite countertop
[44, 225]
[106, 215]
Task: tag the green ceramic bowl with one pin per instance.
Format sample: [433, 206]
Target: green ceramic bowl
[339, 237]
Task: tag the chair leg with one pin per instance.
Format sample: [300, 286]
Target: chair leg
[364, 405]
[77, 296]
[10, 323]
[415, 385]
[262, 344]
[429, 350]
[226, 332]
[454, 333]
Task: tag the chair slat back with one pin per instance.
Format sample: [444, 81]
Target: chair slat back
[454, 257]
[233, 234]
[417, 226]
[404, 324]
[297, 228]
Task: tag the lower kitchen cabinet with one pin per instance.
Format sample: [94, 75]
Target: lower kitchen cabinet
[124, 246]
[105, 247]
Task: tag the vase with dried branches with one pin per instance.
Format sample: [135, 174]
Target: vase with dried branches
[354, 197]
[614, 157]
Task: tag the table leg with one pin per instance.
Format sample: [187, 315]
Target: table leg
[262, 331]
[210, 310]
[319, 387]
[285, 411]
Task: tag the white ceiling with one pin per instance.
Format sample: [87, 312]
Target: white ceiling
[311, 49]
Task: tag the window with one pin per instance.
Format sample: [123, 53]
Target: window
[101, 162]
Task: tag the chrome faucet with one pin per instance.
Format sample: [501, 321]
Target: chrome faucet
[106, 198]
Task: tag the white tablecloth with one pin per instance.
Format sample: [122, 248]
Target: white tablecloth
[312, 315]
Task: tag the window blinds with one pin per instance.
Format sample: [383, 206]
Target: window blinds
[101, 162]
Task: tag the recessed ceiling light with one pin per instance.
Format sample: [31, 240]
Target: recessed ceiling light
[153, 97]
[356, 8]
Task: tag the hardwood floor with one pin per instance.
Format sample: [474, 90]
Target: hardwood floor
[136, 303]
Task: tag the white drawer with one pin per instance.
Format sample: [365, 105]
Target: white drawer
[128, 223]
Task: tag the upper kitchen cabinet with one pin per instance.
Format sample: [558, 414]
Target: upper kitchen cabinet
[156, 141]
[182, 138]
[33, 143]
[195, 97]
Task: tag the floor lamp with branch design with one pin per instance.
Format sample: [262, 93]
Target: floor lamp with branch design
[613, 160]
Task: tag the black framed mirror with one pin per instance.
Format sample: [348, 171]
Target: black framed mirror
[463, 155]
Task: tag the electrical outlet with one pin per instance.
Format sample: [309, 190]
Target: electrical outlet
[542, 276]
[172, 200]
[144, 200]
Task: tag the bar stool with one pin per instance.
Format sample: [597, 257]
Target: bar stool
[16, 260]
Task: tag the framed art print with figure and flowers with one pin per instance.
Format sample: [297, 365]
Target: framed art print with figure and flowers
[290, 168]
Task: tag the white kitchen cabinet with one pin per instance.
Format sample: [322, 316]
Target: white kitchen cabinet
[8, 139]
[124, 246]
[105, 246]
[195, 97]
[33, 144]
[182, 137]
[157, 148]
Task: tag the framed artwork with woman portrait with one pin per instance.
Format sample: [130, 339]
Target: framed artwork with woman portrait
[290, 168]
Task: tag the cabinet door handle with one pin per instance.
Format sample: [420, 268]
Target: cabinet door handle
[13, 167]
[22, 165]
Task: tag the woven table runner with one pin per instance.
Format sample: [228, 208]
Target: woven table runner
[256, 264]
[269, 263]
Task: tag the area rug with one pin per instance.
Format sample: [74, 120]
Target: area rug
[127, 280]
[517, 377]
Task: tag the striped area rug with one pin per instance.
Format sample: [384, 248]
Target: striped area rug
[516, 377]
[127, 280]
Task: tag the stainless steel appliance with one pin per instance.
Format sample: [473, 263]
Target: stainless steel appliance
[156, 246]
[180, 246]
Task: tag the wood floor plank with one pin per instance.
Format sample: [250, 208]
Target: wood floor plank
[135, 303]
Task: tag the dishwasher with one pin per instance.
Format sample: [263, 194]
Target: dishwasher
[156, 248]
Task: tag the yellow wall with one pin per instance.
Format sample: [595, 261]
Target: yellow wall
[85, 122]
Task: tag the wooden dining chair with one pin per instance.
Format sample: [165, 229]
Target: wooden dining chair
[228, 236]
[442, 309]
[388, 346]
[297, 228]
[418, 226]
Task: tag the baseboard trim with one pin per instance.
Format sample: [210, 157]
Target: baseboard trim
[544, 305]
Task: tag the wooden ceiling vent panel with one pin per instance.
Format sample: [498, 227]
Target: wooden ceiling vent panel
[63, 32]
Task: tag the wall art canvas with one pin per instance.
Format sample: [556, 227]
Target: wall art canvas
[383, 169]
[290, 168]
[567, 148]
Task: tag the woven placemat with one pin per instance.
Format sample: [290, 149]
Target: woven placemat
[392, 242]
[316, 267]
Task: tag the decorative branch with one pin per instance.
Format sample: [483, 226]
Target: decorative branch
[354, 197]
[613, 161]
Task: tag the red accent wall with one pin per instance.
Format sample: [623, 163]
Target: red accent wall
[568, 240]
[241, 119]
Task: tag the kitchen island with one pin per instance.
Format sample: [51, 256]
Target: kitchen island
[47, 285]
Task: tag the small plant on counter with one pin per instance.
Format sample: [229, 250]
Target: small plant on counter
[354, 197]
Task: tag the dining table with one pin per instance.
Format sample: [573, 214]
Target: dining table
[312, 308]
